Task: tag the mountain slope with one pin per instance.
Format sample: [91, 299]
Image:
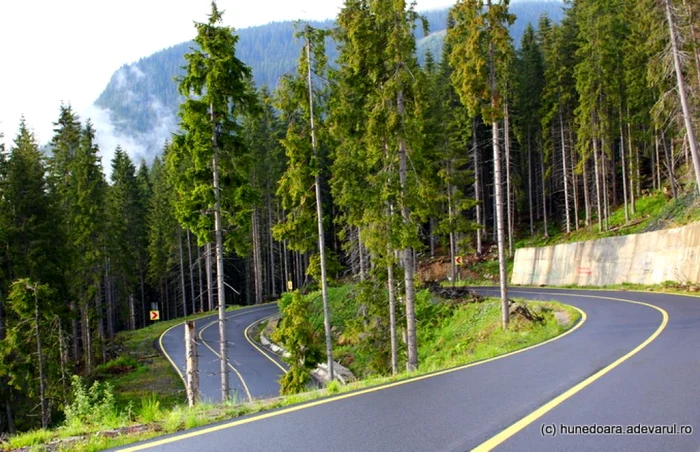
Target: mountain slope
[141, 99]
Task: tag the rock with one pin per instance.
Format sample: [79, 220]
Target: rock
[341, 373]
[562, 317]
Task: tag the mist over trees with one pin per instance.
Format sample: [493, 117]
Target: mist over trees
[389, 159]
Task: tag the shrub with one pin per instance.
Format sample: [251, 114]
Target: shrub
[93, 406]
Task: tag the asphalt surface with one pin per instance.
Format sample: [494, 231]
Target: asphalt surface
[255, 376]
[647, 366]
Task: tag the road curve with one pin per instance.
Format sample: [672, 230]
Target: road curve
[633, 363]
[253, 374]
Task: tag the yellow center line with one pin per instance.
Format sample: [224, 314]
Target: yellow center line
[308, 405]
[256, 345]
[544, 409]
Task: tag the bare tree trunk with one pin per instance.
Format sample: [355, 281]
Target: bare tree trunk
[391, 285]
[624, 169]
[575, 181]
[597, 185]
[257, 258]
[509, 198]
[42, 373]
[606, 191]
[361, 254]
[63, 356]
[670, 166]
[544, 195]
[143, 296]
[182, 273]
[287, 275]
[189, 265]
[10, 416]
[498, 184]
[658, 158]
[273, 286]
[192, 365]
[319, 220]
[586, 192]
[408, 262]
[223, 345]
[201, 281]
[99, 319]
[132, 313]
[530, 197]
[110, 299]
[432, 238]
[687, 115]
[87, 337]
[450, 213]
[477, 190]
[632, 191]
[694, 36]
[565, 172]
[210, 282]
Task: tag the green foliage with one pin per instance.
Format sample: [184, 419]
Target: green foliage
[305, 157]
[295, 381]
[91, 406]
[150, 409]
[333, 266]
[216, 88]
[333, 387]
[477, 31]
[298, 335]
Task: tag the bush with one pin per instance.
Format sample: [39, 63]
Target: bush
[93, 406]
[150, 409]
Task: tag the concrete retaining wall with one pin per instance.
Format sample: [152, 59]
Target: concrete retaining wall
[649, 258]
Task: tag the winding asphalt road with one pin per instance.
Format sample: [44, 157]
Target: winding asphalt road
[632, 363]
[253, 373]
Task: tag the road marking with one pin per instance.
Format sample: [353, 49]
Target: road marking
[304, 406]
[544, 409]
[245, 333]
[237, 313]
[167, 356]
[240, 377]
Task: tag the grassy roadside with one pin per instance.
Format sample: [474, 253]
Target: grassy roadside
[471, 333]
[142, 383]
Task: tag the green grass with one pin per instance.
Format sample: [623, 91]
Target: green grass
[466, 333]
[652, 212]
[474, 333]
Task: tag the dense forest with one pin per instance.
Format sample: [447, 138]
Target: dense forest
[142, 98]
[356, 170]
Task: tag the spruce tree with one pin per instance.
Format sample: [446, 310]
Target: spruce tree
[305, 137]
[208, 162]
[480, 46]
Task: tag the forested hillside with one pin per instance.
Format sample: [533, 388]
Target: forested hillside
[358, 169]
[142, 97]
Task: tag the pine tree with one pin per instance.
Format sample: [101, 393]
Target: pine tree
[125, 236]
[306, 132]
[162, 227]
[208, 162]
[87, 237]
[30, 248]
[480, 46]
[263, 132]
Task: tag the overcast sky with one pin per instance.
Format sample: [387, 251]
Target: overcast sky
[67, 50]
